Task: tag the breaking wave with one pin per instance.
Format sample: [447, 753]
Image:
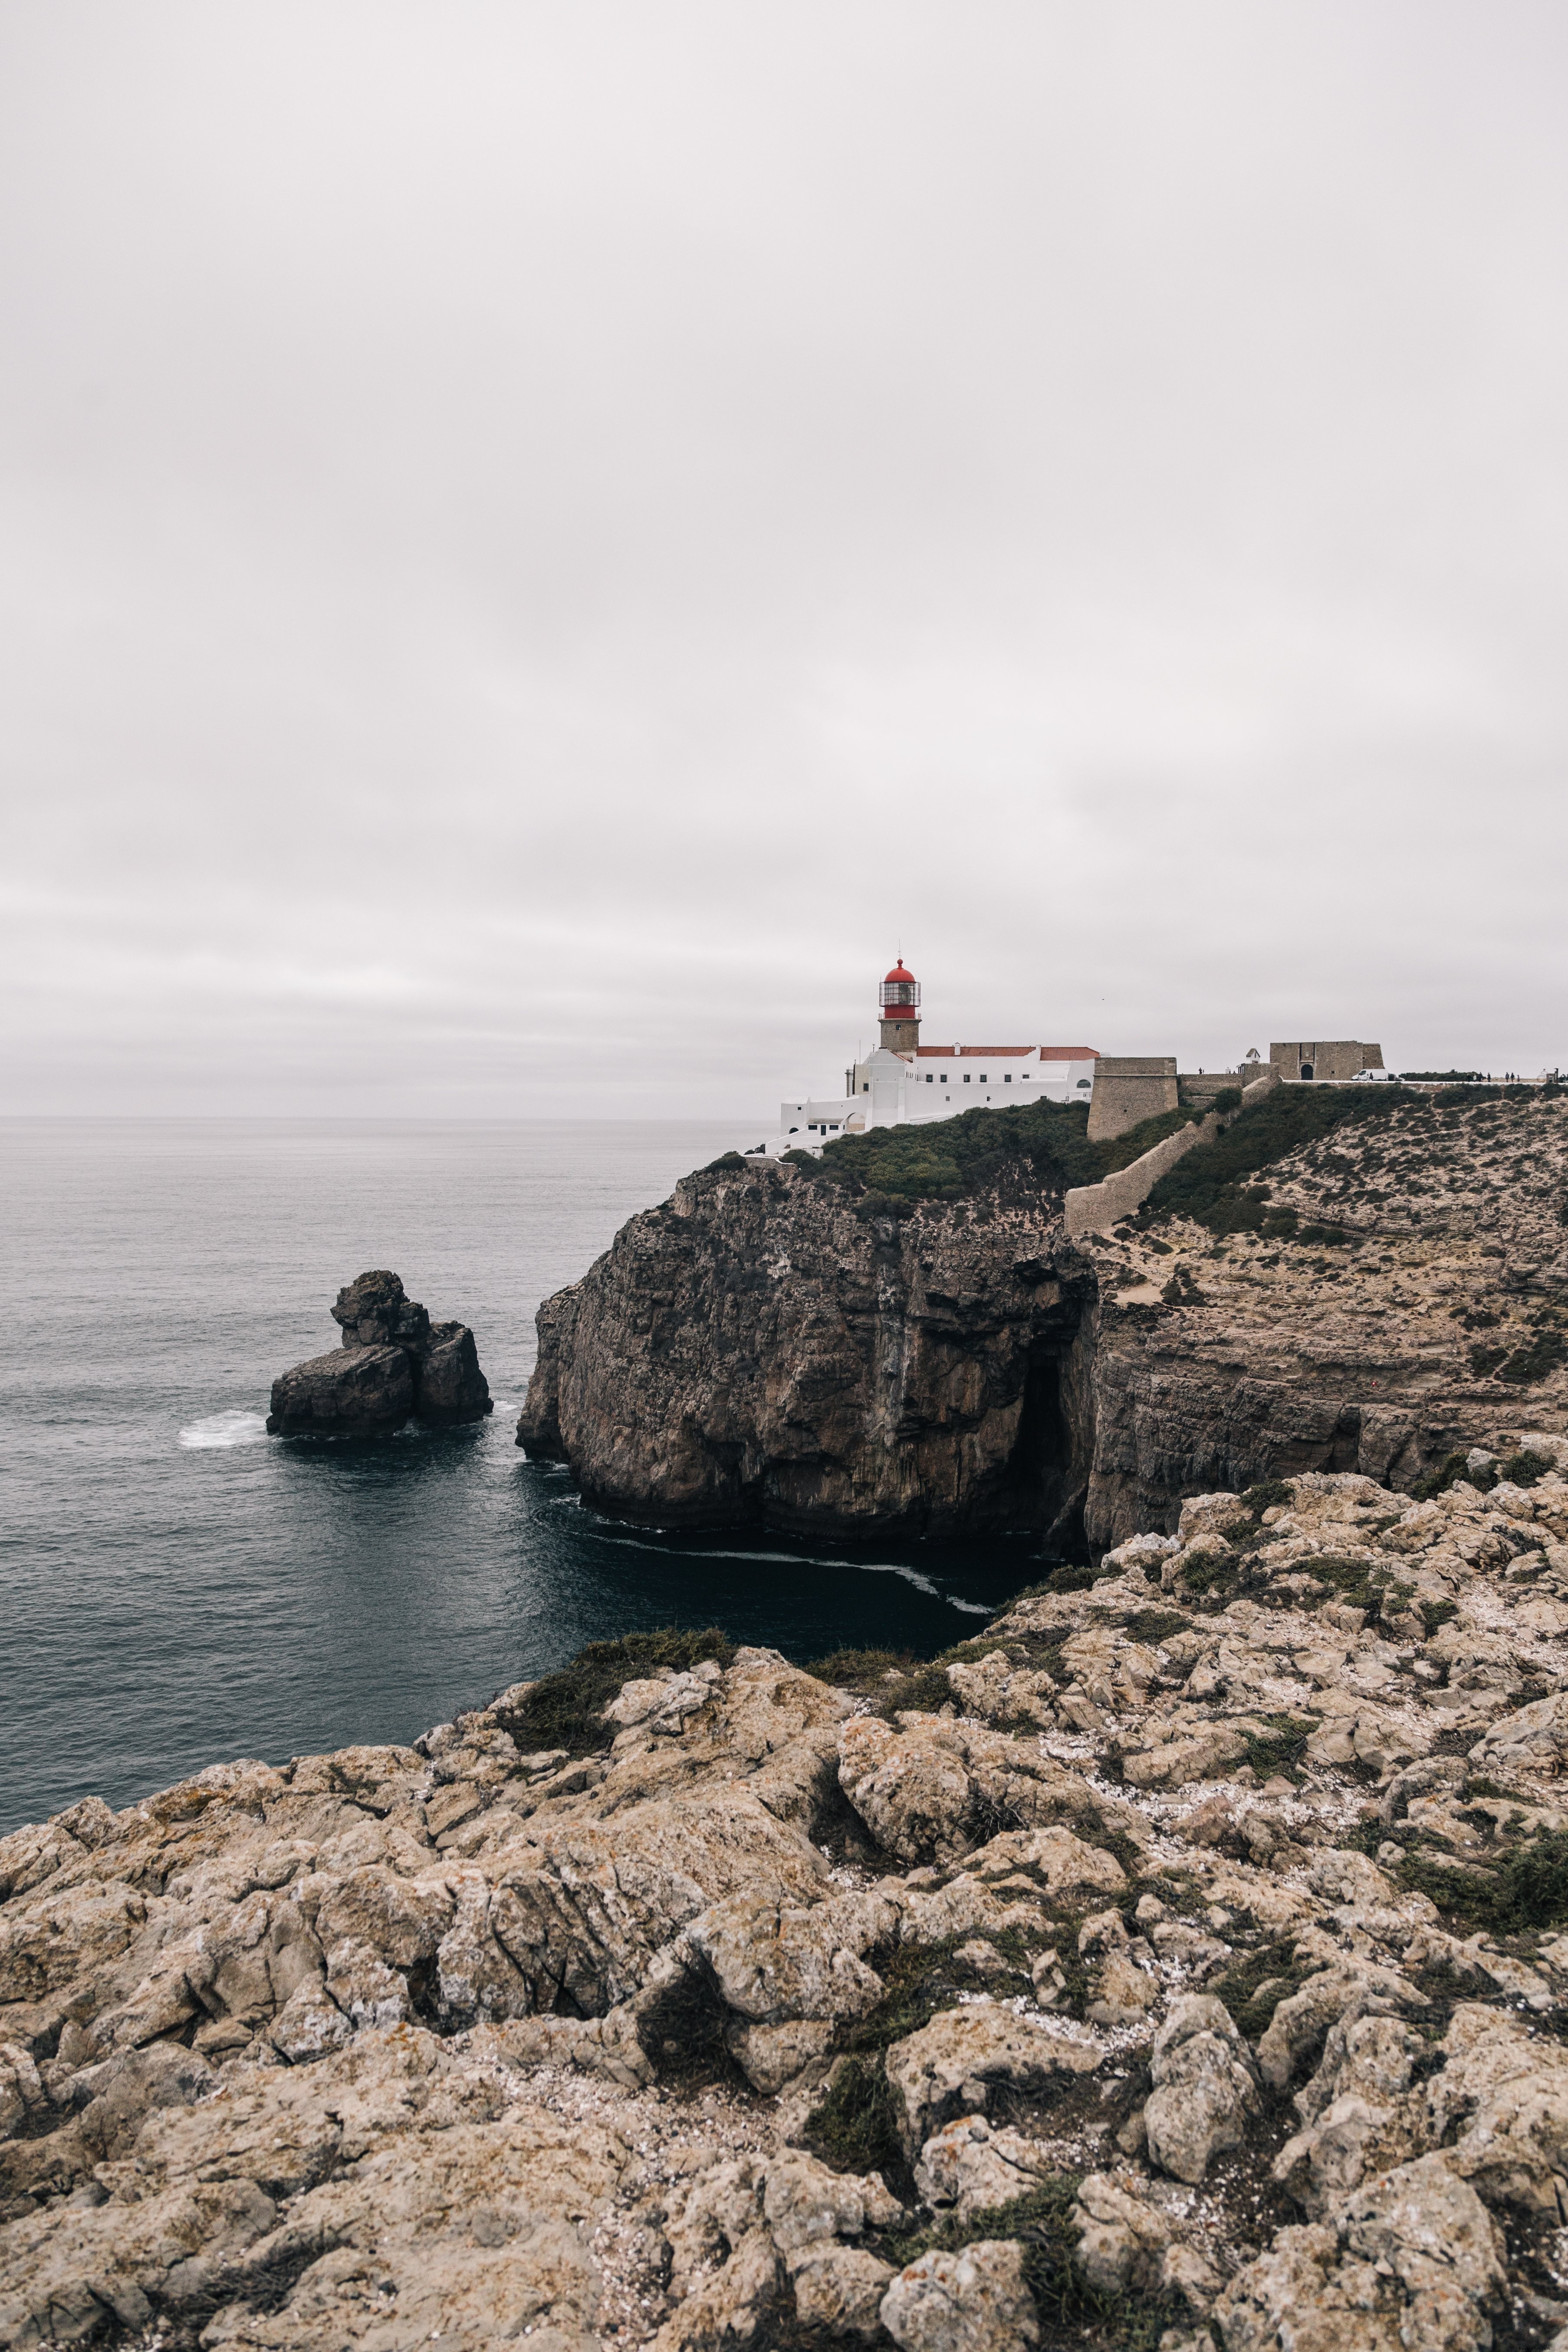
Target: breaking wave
[224, 1428]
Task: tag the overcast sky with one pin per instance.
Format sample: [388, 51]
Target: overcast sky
[540, 544]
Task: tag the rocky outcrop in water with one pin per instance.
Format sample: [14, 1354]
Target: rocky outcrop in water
[1182, 1962]
[394, 1364]
[771, 1346]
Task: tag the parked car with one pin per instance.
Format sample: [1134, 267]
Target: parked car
[1375, 1078]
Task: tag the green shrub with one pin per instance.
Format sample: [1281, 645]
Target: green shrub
[1044, 1145]
[1154, 1625]
[1241, 1987]
[1526, 1468]
[566, 1709]
[1279, 1748]
[854, 2127]
[1454, 1467]
[863, 1670]
[1266, 1495]
[1535, 1362]
[1527, 1892]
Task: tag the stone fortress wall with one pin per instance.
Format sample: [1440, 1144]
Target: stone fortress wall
[1333, 1058]
[1128, 1087]
[1095, 1208]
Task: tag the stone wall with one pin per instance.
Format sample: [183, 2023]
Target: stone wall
[1325, 1058]
[1095, 1208]
[1128, 1087]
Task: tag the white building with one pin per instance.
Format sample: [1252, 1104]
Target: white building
[904, 1080]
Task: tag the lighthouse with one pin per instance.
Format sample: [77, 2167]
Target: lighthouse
[898, 1002]
[904, 1080]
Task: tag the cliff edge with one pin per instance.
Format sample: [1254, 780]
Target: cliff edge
[901, 1335]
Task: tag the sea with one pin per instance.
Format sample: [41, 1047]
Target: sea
[178, 1588]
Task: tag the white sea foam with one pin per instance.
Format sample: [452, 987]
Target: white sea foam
[811, 1560]
[232, 1428]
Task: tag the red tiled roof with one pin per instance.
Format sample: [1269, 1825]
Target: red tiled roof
[995, 1052]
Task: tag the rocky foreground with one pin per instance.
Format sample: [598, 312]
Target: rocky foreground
[1179, 1964]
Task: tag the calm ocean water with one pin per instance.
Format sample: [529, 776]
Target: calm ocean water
[178, 1588]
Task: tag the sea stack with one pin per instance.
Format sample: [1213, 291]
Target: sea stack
[395, 1365]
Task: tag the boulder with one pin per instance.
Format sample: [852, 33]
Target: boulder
[1204, 2087]
[930, 1789]
[977, 2300]
[1413, 2260]
[452, 1388]
[352, 1392]
[1499, 2107]
[375, 1311]
[394, 1364]
[968, 2165]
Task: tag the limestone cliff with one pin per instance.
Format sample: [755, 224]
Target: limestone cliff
[1180, 1964]
[770, 1344]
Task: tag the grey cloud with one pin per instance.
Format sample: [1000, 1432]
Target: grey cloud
[530, 534]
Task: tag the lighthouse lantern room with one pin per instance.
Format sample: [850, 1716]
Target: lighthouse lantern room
[898, 999]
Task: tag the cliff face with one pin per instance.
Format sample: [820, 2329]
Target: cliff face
[754, 1348]
[768, 1346]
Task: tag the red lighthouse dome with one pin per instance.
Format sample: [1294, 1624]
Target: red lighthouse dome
[900, 988]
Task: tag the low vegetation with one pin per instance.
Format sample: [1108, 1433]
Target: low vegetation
[1044, 1142]
[566, 1709]
[1215, 1185]
[1522, 1469]
[1526, 1891]
[1041, 2223]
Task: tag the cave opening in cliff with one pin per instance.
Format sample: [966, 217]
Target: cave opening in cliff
[1048, 1468]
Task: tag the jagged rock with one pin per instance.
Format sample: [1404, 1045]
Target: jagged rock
[1204, 2087]
[394, 1364]
[1176, 1761]
[973, 2301]
[1129, 2243]
[452, 1388]
[375, 1312]
[1533, 1740]
[1356, 2116]
[929, 1788]
[1499, 2109]
[1412, 2260]
[968, 2164]
[1300, 2024]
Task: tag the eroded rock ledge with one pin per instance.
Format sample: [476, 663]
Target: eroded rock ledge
[1179, 1963]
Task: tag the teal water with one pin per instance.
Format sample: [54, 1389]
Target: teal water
[178, 1588]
